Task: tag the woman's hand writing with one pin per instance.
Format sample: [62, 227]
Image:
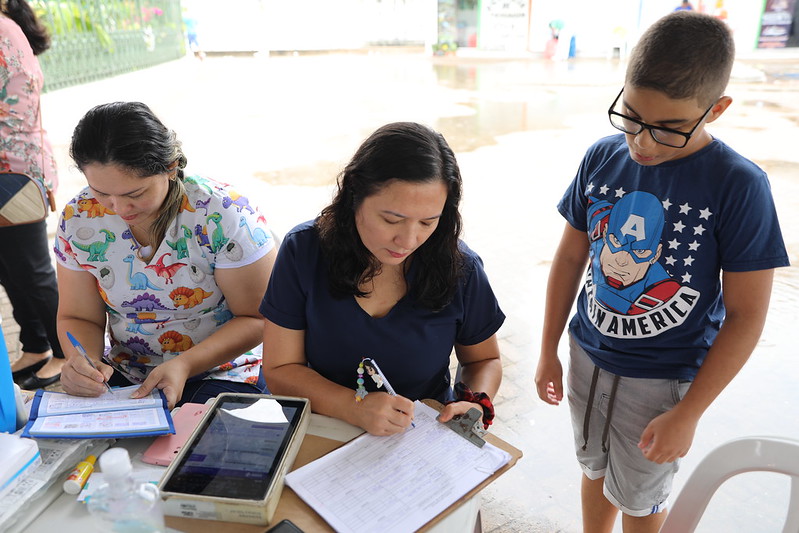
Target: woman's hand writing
[80, 379]
[381, 414]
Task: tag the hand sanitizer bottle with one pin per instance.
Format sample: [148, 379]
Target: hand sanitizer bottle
[121, 504]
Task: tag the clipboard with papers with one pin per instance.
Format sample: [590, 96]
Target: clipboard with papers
[405, 482]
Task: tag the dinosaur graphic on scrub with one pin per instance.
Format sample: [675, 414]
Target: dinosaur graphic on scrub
[165, 271]
[218, 239]
[188, 298]
[162, 303]
[257, 235]
[181, 245]
[138, 280]
[97, 249]
[92, 208]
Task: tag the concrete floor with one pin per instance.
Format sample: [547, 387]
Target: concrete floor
[283, 127]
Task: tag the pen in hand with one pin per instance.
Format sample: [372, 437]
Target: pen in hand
[82, 351]
[368, 362]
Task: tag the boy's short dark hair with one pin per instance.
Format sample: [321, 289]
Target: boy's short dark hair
[684, 55]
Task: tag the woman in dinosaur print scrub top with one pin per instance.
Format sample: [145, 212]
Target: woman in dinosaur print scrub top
[172, 267]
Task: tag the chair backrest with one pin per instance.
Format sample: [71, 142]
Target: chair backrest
[748, 454]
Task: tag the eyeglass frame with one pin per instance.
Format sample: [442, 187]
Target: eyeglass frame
[645, 126]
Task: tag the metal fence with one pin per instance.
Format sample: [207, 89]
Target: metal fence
[94, 39]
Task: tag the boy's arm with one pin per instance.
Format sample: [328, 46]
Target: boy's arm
[746, 298]
[565, 275]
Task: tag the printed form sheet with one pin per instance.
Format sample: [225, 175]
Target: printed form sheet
[113, 413]
[117, 400]
[397, 483]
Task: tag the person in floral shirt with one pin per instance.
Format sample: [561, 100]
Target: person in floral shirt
[26, 271]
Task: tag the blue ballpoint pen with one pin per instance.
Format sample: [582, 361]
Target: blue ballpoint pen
[82, 351]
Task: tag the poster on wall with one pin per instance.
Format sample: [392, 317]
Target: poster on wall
[776, 24]
[503, 25]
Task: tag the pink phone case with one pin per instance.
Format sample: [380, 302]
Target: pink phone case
[166, 447]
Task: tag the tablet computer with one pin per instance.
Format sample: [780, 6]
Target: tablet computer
[233, 465]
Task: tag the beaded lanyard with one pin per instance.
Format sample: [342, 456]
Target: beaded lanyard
[360, 392]
[378, 377]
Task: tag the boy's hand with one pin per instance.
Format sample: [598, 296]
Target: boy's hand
[668, 437]
[549, 379]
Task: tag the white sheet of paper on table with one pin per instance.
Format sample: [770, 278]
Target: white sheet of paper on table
[396, 483]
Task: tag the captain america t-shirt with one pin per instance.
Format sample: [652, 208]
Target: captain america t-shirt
[659, 237]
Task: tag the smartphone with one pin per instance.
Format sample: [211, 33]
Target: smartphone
[284, 526]
[166, 447]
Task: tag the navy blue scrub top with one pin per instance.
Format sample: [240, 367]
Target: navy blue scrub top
[412, 345]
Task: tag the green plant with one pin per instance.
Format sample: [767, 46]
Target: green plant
[70, 17]
[444, 47]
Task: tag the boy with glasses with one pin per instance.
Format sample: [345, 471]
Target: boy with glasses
[665, 216]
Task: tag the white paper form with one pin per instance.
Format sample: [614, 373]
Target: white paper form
[397, 483]
[117, 400]
[112, 422]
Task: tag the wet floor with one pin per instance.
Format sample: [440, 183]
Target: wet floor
[283, 127]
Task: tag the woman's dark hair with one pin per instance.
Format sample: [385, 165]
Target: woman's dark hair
[20, 12]
[401, 151]
[129, 135]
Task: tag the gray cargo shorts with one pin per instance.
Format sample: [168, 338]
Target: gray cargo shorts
[608, 422]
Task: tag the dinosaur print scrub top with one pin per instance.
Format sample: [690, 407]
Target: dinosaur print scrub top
[158, 310]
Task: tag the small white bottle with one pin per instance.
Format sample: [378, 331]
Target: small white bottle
[122, 504]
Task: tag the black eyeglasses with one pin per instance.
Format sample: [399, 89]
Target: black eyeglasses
[665, 136]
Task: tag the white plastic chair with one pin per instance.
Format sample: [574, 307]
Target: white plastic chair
[748, 454]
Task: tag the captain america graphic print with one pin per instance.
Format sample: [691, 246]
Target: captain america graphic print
[638, 282]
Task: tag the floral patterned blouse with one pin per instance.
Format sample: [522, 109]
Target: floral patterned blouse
[22, 138]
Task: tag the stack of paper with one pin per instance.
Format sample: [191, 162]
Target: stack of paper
[398, 483]
[39, 487]
[19, 457]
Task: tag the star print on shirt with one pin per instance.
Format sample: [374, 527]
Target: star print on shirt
[683, 226]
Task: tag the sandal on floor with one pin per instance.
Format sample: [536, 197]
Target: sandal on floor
[33, 382]
[23, 372]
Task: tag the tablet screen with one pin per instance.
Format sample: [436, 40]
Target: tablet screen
[238, 449]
